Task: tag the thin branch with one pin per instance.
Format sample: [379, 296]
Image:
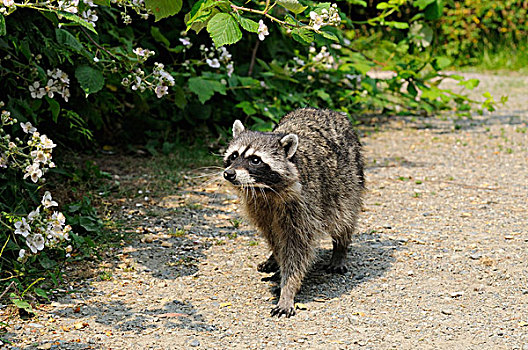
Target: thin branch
[7, 289]
[253, 57]
[97, 44]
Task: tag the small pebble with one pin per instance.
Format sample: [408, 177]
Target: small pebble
[195, 343]
[447, 312]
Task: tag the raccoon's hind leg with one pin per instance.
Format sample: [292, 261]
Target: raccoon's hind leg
[270, 265]
[339, 253]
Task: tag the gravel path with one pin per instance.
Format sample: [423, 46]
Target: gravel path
[440, 261]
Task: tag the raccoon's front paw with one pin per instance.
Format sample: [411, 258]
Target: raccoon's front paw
[337, 268]
[279, 310]
[268, 266]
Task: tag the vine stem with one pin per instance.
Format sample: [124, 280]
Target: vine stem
[263, 13]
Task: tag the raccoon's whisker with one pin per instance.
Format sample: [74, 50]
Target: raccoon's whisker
[277, 193]
[209, 167]
[264, 195]
[206, 175]
[215, 179]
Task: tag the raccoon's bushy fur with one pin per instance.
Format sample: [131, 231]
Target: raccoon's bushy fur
[301, 180]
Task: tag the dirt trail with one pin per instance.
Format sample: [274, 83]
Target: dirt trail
[440, 261]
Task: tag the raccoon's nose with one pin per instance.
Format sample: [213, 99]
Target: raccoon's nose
[229, 174]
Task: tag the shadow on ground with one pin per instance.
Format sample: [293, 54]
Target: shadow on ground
[369, 257]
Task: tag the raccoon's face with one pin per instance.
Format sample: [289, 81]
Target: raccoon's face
[255, 159]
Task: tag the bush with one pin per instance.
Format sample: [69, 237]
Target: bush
[470, 28]
[98, 72]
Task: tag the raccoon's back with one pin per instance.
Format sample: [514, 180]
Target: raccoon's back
[328, 156]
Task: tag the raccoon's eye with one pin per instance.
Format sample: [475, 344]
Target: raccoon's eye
[255, 160]
[233, 156]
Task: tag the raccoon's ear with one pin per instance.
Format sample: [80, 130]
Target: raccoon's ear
[238, 128]
[290, 143]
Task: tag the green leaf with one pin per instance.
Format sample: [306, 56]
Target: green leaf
[292, 5]
[90, 79]
[89, 224]
[470, 83]
[329, 35]
[434, 10]
[248, 81]
[75, 19]
[41, 293]
[304, 36]
[46, 262]
[224, 29]
[3, 30]
[247, 107]
[441, 62]
[357, 2]
[248, 24]
[163, 8]
[411, 88]
[382, 6]
[54, 108]
[64, 37]
[179, 97]
[398, 25]
[323, 95]
[200, 14]
[160, 38]
[361, 67]
[421, 4]
[102, 2]
[19, 303]
[205, 89]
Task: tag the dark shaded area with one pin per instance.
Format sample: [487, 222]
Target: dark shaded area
[369, 257]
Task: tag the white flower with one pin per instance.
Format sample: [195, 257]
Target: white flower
[65, 93]
[3, 161]
[21, 253]
[36, 91]
[90, 16]
[59, 218]
[230, 69]
[28, 128]
[316, 21]
[47, 201]
[186, 42]
[161, 90]
[22, 228]
[262, 30]
[46, 143]
[69, 5]
[39, 156]
[95, 59]
[224, 54]
[60, 75]
[32, 215]
[143, 52]
[89, 3]
[35, 243]
[213, 63]
[8, 3]
[34, 172]
[298, 61]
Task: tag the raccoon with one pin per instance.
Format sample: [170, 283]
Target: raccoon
[303, 179]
